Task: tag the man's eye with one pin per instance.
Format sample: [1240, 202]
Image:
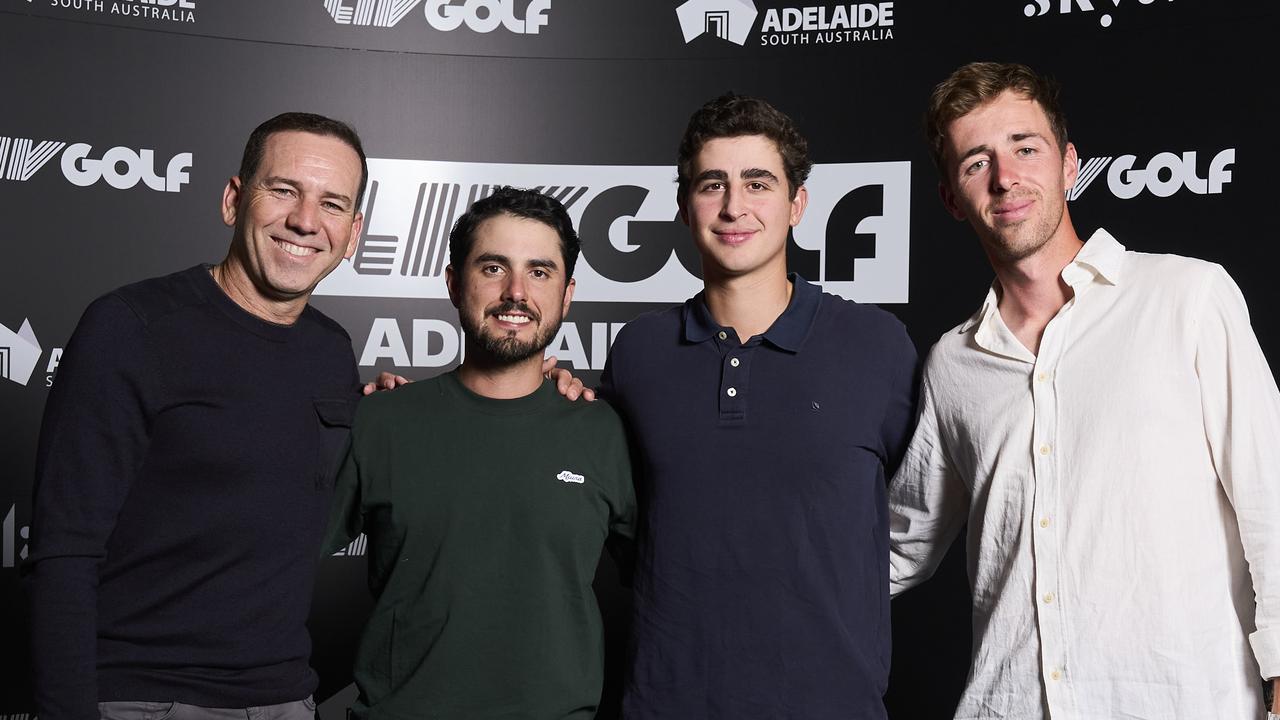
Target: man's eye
[712, 186]
[491, 269]
[539, 273]
[1026, 151]
[758, 186]
[975, 167]
[282, 191]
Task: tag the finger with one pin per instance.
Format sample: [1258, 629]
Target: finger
[588, 394]
[549, 365]
[368, 388]
[402, 380]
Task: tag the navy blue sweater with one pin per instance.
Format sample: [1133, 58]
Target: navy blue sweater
[183, 479]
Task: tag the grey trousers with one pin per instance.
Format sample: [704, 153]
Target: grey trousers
[137, 710]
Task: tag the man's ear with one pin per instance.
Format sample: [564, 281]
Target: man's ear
[451, 281]
[1070, 166]
[949, 200]
[798, 204]
[357, 225]
[568, 297]
[231, 201]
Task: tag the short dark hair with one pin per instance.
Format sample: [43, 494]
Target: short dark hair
[529, 204]
[308, 123]
[733, 115]
[978, 83]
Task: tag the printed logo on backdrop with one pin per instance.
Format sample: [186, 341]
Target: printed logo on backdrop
[120, 167]
[20, 354]
[179, 11]
[13, 539]
[1040, 8]
[356, 548]
[854, 238]
[1164, 174]
[733, 20]
[482, 16]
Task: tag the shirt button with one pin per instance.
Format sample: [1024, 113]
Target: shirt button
[1044, 449]
[722, 335]
[734, 362]
[1044, 522]
[1055, 675]
[1042, 376]
[731, 392]
[1048, 598]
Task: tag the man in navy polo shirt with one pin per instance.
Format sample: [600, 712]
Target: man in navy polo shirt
[766, 417]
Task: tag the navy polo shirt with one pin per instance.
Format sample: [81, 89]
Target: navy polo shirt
[762, 576]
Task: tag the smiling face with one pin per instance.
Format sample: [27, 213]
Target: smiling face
[511, 291]
[739, 207]
[294, 220]
[1005, 174]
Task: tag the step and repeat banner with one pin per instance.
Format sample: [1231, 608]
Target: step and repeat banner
[121, 121]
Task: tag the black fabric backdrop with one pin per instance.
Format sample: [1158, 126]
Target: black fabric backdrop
[1169, 107]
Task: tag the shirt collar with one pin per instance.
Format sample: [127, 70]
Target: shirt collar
[788, 332]
[1101, 257]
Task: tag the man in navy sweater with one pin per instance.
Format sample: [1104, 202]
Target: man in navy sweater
[185, 463]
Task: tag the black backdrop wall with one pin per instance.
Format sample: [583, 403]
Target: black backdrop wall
[122, 119]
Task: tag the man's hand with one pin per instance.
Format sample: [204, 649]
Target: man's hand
[568, 385]
[387, 381]
[1275, 696]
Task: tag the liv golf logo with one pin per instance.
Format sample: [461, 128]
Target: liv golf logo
[481, 16]
[1163, 175]
[854, 238]
[120, 167]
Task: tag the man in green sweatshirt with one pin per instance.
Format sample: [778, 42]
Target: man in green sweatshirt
[487, 497]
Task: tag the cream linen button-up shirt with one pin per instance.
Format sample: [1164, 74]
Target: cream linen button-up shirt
[1122, 491]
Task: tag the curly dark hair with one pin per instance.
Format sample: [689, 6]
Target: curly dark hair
[733, 115]
[308, 123]
[978, 83]
[529, 204]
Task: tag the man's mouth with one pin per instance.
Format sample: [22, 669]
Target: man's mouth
[294, 249]
[513, 319]
[734, 237]
[1013, 210]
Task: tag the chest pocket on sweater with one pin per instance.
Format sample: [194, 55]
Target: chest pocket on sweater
[333, 427]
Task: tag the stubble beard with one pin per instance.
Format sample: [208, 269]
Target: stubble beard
[1018, 242]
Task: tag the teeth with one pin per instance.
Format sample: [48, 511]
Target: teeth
[516, 319]
[295, 249]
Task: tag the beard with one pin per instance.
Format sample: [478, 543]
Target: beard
[507, 348]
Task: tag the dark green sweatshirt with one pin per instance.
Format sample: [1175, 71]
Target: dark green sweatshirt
[485, 521]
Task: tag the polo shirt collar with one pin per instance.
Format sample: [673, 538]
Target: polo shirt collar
[788, 332]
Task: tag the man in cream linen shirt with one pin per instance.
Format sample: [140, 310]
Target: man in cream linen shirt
[1110, 430]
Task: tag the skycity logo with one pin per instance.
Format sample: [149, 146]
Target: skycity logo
[121, 167]
[19, 353]
[1038, 8]
[1164, 174]
[854, 239]
[482, 16]
[726, 19]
